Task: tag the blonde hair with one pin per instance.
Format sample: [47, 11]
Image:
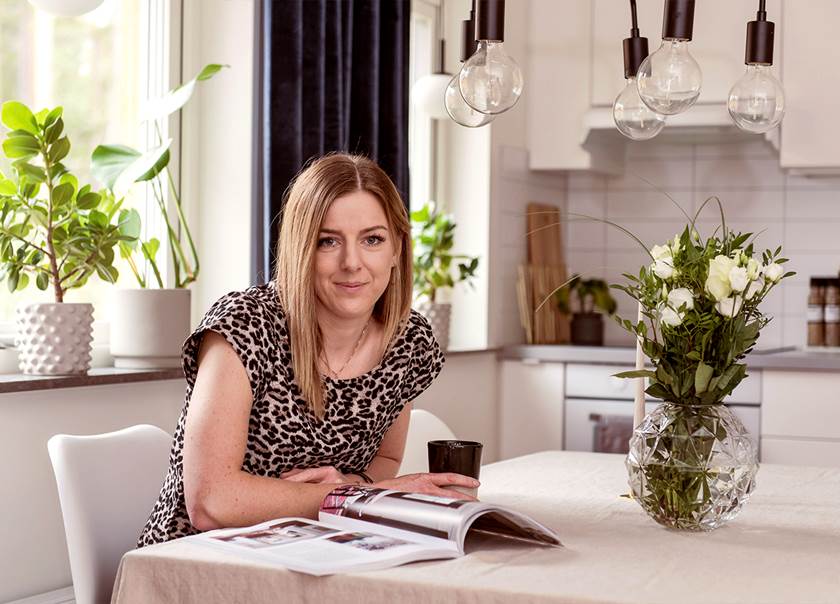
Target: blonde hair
[308, 200]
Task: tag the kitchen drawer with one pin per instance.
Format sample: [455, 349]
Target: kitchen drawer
[598, 381]
[800, 404]
[791, 451]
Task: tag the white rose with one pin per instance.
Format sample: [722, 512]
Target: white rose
[660, 251]
[681, 297]
[738, 278]
[753, 269]
[729, 307]
[753, 289]
[773, 272]
[669, 316]
[664, 269]
[717, 283]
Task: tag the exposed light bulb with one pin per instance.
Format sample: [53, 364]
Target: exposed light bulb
[669, 80]
[632, 117]
[458, 109]
[490, 80]
[428, 93]
[66, 8]
[757, 100]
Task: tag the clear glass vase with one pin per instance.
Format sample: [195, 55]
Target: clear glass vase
[692, 467]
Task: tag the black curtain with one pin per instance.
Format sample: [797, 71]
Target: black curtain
[334, 77]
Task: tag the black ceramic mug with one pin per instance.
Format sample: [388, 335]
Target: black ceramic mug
[458, 456]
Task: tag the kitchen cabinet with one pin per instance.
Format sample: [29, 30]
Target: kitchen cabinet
[800, 419]
[531, 413]
[810, 63]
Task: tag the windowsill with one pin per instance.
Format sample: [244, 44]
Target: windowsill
[18, 382]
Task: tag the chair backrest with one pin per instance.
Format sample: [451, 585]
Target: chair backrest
[107, 486]
[422, 428]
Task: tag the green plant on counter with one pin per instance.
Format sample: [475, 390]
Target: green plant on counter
[52, 231]
[119, 167]
[433, 235]
[591, 294]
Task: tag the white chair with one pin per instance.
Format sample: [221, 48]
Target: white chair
[422, 427]
[107, 486]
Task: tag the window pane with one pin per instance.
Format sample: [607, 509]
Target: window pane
[93, 67]
[420, 155]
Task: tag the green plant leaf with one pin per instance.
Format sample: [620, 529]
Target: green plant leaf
[130, 223]
[638, 373]
[176, 98]
[145, 167]
[62, 194]
[16, 115]
[109, 161]
[59, 149]
[23, 281]
[98, 219]
[701, 377]
[21, 147]
[108, 274]
[7, 187]
[88, 201]
[42, 281]
[30, 172]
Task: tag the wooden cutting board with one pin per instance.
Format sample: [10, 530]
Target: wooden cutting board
[545, 241]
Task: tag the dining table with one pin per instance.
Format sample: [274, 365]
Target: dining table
[783, 547]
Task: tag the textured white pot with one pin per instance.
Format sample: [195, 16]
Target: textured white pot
[54, 338]
[149, 326]
[438, 315]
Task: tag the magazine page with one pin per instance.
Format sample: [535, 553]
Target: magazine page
[508, 523]
[425, 518]
[315, 548]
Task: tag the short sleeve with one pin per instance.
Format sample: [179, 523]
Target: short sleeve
[426, 357]
[246, 325]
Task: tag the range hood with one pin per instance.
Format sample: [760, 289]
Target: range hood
[702, 123]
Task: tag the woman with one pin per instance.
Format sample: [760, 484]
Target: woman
[304, 383]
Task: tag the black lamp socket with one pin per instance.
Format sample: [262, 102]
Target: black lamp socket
[678, 20]
[760, 35]
[490, 20]
[635, 51]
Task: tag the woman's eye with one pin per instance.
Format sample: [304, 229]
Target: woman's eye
[374, 239]
[326, 242]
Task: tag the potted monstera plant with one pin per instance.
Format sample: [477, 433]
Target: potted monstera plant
[55, 234]
[587, 300]
[433, 237]
[149, 324]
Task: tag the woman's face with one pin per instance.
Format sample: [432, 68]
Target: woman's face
[354, 256]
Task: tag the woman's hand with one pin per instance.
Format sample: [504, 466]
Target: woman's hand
[322, 475]
[432, 484]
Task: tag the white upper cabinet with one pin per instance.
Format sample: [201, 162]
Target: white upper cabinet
[811, 65]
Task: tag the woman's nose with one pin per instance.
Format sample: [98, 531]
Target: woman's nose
[350, 260]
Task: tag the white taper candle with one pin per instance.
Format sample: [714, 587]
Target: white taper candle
[639, 406]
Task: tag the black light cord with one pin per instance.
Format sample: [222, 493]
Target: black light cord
[634, 32]
[762, 10]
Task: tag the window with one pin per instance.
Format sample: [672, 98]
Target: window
[100, 67]
[421, 156]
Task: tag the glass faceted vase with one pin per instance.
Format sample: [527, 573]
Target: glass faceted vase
[692, 467]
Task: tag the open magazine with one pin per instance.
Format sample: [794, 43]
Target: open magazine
[364, 528]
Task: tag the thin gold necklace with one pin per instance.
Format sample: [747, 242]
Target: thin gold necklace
[352, 354]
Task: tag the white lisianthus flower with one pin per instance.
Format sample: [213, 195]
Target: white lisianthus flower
[668, 316]
[729, 307]
[738, 279]
[681, 298]
[753, 269]
[773, 272]
[664, 268]
[753, 289]
[676, 246]
[660, 252]
[717, 283]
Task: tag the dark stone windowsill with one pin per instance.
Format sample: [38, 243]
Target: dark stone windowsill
[18, 382]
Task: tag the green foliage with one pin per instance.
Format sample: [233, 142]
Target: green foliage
[120, 167]
[700, 305]
[591, 294]
[52, 231]
[433, 235]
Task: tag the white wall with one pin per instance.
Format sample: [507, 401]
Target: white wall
[801, 214]
[33, 557]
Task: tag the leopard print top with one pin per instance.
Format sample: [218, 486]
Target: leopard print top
[282, 433]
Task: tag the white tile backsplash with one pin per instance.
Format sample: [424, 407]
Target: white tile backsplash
[800, 213]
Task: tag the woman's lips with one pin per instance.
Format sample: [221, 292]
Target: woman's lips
[351, 287]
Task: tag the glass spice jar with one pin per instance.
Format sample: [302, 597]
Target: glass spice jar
[816, 312]
[831, 314]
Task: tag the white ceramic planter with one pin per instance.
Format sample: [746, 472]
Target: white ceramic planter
[54, 339]
[148, 327]
[438, 315]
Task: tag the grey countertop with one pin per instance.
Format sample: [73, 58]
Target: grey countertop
[16, 382]
[782, 359]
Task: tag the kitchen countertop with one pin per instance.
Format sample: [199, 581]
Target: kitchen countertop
[780, 359]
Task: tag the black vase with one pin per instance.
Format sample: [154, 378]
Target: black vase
[587, 329]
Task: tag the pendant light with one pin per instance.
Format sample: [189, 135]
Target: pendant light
[757, 100]
[454, 102]
[66, 8]
[490, 80]
[632, 117]
[669, 80]
[428, 92]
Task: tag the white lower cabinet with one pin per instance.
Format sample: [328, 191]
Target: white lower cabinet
[531, 407]
[800, 418]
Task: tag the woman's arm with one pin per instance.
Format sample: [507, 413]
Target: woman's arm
[389, 457]
[216, 490]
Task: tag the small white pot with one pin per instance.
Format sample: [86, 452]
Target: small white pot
[438, 315]
[54, 338]
[148, 327]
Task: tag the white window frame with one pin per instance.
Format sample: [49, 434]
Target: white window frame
[422, 129]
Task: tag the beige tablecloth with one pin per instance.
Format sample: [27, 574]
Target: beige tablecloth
[784, 547]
